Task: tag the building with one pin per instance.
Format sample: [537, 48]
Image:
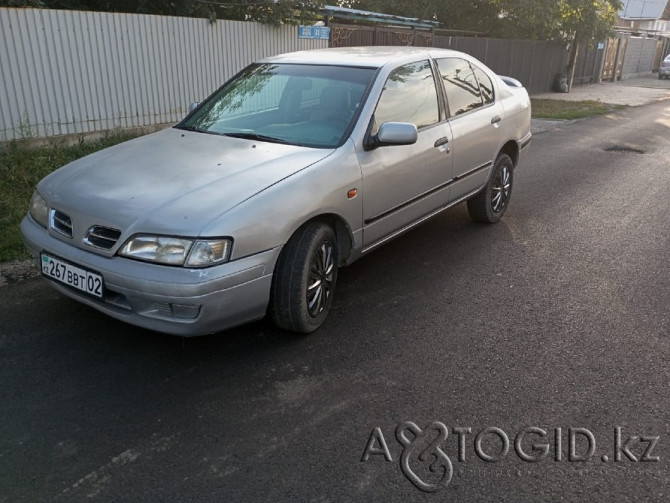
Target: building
[650, 17]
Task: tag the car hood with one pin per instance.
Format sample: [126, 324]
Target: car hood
[173, 182]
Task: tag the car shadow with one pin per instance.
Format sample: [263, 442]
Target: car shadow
[442, 244]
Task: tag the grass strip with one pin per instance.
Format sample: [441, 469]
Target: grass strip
[21, 167]
[569, 110]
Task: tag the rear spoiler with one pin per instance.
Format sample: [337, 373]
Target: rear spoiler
[510, 81]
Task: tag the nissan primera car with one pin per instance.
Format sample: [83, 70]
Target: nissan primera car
[298, 165]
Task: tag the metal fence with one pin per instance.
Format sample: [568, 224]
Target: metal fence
[71, 72]
[68, 72]
[589, 64]
[533, 63]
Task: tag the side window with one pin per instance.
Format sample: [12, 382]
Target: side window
[485, 85]
[463, 94]
[409, 95]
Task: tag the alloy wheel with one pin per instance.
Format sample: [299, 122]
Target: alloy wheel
[500, 190]
[320, 283]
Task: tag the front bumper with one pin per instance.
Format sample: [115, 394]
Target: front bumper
[664, 71]
[173, 300]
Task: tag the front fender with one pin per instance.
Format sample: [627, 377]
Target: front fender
[270, 218]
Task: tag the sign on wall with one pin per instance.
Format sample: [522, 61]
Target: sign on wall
[319, 32]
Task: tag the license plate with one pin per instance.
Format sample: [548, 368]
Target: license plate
[70, 275]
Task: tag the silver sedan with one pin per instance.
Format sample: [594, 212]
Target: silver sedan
[297, 166]
[664, 69]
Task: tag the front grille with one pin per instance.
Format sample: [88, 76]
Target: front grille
[61, 223]
[102, 237]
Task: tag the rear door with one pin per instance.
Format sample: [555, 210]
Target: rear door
[475, 117]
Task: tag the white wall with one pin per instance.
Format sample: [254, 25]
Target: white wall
[68, 72]
[639, 58]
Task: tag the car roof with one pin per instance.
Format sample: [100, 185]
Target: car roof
[358, 56]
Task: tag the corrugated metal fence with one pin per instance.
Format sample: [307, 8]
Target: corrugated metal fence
[534, 63]
[68, 72]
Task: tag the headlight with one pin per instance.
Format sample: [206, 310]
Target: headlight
[206, 253]
[39, 210]
[177, 251]
[161, 249]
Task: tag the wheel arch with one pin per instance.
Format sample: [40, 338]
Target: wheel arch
[343, 233]
[305, 275]
[511, 148]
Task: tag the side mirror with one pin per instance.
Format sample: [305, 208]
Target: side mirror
[193, 106]
[395, 133]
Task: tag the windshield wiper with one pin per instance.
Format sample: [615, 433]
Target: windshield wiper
[190, 128]
[260, 137]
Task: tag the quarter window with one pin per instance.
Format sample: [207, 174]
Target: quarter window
[409, 95]
[485, 85]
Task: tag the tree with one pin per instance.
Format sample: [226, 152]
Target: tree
[264, 11]
[528, 19]
[394, 7]
[567, 20]
[531, 20]
[589, 20]
[586, 22]
[474, 15]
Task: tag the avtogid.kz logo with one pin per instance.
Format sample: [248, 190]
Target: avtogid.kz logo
[424, 447]
[426, 464]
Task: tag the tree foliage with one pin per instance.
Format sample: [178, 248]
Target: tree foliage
[264, 11]
[472, 15]
[530, 19]
[534, 20]
[526, 19]
[589, 20]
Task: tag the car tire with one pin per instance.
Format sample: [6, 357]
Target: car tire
[304, 280]
[489, 205]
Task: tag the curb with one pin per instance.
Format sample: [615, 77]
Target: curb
[542, 125]
[17, 270]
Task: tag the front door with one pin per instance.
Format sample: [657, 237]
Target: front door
[403, 183]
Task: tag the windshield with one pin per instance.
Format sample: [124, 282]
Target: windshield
[308, 105]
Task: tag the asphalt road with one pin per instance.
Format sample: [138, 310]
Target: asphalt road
[556, 318]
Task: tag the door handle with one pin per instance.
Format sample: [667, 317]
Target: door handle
[496, 120]
[441, 141]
